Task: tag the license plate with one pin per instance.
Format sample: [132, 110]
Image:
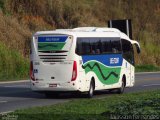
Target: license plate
[52, 85]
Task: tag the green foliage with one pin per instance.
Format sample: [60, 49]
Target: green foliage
[2, 4]
[136, 107]
[147, 68]
[13, 65]
[133, 104]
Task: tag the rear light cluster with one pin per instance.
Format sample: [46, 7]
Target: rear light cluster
[31, 71]
[74, 72]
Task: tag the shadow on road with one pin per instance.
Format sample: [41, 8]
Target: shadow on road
[20, 92]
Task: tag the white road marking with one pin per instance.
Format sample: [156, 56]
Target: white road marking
[151, 85]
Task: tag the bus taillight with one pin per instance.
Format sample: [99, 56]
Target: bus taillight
[74, 72]
[31, 71]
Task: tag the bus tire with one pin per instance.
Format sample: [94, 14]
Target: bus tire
[121, 89]
[91, 90]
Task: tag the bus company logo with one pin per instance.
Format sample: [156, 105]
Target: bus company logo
[114, 60]
[52, 39]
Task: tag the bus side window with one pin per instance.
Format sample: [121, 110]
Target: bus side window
[98, 51]
[106, 45]
[116, 46]
[96, 46]
[83, 46]
[79, 46]
[128, 53]
[91, 46]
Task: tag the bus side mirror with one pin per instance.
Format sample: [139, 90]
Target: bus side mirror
[138, 48]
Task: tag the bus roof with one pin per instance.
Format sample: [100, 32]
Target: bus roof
[87, 31]
[91, 32]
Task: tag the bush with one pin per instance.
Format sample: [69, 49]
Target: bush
[147, 68]
[13, 65]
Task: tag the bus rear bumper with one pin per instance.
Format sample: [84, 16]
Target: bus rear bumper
[53, 87]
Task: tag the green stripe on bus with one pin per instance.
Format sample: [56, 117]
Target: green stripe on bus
[50, 46]
[107, 75]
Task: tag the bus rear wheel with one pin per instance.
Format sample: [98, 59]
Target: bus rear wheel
[121, 89]
[91, 90]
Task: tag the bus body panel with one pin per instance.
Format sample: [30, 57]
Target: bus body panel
[107, 68]
[56, 72]
[128, 71]
[52, 63]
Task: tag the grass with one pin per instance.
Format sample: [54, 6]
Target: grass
[13, 65]
[130, 104]
[147, 68]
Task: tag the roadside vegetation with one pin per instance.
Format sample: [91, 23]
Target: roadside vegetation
[13, 66]
[19, 19]
[146, 68]
[141, 104]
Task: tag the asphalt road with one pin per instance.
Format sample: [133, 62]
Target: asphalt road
[15, 96]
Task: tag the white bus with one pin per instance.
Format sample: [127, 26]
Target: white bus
[84, 59]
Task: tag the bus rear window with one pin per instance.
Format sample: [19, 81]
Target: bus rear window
[54, 43]
[90, 46]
